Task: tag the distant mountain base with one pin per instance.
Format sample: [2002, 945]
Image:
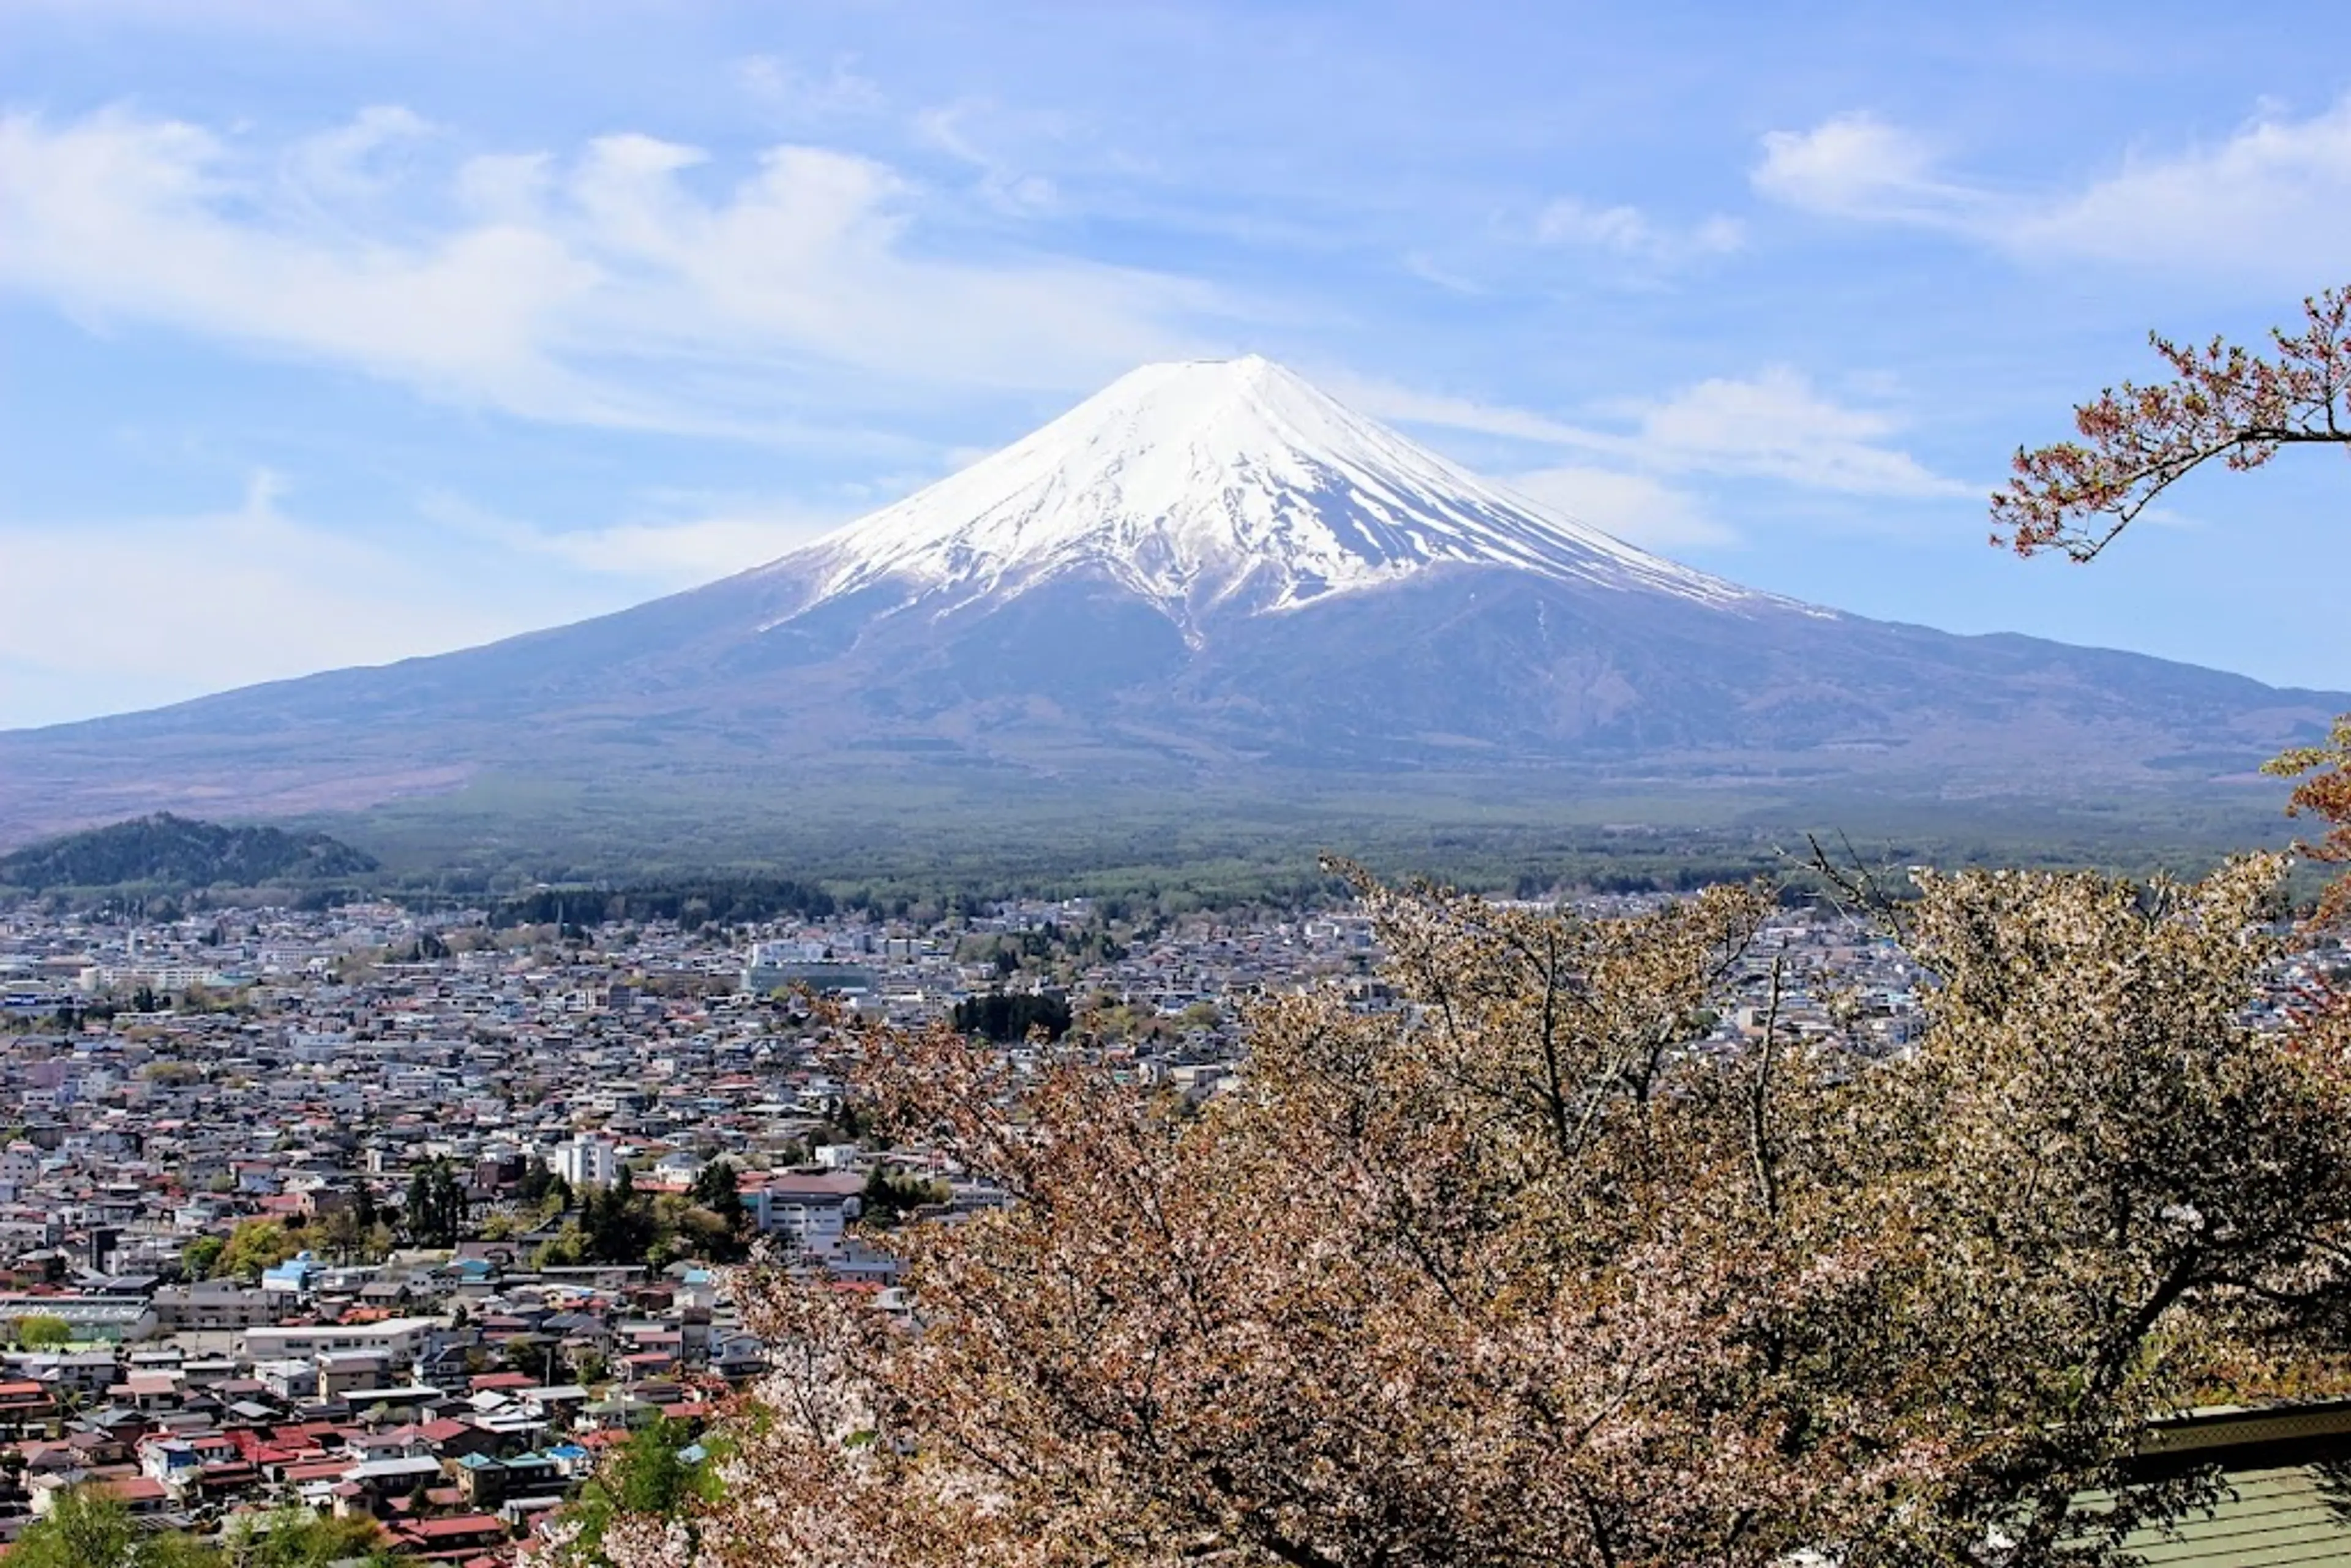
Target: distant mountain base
[1261, 835]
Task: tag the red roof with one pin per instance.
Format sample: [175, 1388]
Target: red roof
[458, 1525]
[317, 1469]
[135, 1489]
[502, 1380]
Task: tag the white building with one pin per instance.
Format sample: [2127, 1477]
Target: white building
[397, 1340]
[811, 1212]
[586, 1161]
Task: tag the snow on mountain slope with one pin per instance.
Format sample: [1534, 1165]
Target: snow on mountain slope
[1224, 485]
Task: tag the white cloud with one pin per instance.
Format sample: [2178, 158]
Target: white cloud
[2271, 202]
[1774, 425]
[1629, 233]
[682, 554]
[785, 87]
[1636, 508]
[200, 603]
[1852, 165]
[355, 163]
[257, 593]
[653, 556]
[1386, 400]
[1779, 425]
[544, 285]
[969, 131]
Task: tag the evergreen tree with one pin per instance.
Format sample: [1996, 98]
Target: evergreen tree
[436, 1205]
[619, 1222]
[716, 1188]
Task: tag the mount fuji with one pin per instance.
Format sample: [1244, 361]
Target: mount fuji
[1208, 574]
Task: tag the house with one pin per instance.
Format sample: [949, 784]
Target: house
[2281, 1497]
[374, 1482]
[435, 1537]
[23, 1403]
[810, 1211]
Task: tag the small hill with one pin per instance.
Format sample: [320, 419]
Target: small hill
[178, 851]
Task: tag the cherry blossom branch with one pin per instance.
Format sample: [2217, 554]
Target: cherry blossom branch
[2222, 402]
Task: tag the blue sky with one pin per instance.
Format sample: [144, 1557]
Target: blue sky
[335, 332]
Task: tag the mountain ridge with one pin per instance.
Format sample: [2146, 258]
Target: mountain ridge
[1208, 574]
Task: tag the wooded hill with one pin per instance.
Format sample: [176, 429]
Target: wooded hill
[180, 851]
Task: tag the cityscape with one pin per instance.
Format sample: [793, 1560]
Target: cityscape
[220, 1293]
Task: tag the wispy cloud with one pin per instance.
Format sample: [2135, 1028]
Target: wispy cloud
[314, 595]
[544, 284]
[970, 130]
[1857, 165]
[1637, 507]
[1778, 425]
[795, 94]
[2270, 202]
[1407, 406]
[300, 597]
[653, 555]
[1629, 233]
[1774, 425]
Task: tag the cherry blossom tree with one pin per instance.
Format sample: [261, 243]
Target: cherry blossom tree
[1546, 1270]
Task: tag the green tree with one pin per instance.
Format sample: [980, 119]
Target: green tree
[294, 1537]
[999, 1016]
[42, 1330]
[87, 1528]
[717, 1190]
[538, 1179]
[200, 1256]
[256, 1245]
[434, 1214]
[644, 1485]
[340, 1233]
[619, 1221]
[365, 1214]
[569, 1247]
[890, 1195]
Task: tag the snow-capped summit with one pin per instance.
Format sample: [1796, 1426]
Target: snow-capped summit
[1216, 485]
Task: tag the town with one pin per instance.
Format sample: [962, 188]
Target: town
[414, 1217]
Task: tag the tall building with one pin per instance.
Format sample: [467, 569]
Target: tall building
[586, 1161]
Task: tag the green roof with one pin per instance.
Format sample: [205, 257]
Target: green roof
[2290, 1514]
[2285, 1487]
